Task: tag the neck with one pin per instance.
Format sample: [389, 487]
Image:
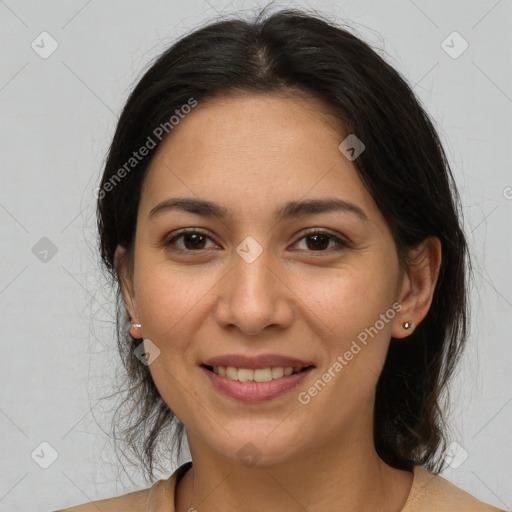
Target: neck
[344, 473]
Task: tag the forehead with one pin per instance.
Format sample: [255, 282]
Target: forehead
[263, 125]
[257, 148]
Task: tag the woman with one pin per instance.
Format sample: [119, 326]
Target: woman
[282, 225]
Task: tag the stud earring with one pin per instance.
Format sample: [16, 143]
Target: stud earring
[407, 325]
[137, 327]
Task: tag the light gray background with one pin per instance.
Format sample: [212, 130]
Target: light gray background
[57, 119]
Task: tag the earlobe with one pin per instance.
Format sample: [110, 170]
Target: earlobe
[418, 286]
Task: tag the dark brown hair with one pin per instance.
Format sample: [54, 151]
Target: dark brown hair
[403, 167]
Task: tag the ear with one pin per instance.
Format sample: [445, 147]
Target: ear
[124, 274]
[418, 285]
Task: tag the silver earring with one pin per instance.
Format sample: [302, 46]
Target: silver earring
[407, 325]
[136, 326]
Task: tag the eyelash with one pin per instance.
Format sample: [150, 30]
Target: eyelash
[309, 233]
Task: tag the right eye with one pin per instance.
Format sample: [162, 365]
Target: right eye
[193, 240]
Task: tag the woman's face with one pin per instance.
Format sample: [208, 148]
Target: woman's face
[254, 282]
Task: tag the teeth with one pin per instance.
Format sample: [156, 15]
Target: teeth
[257, 375]
[278, 372]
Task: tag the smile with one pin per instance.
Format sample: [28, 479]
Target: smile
[255, 385]
[256, 374]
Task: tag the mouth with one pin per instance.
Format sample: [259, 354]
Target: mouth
[256, 374]
[255, 384]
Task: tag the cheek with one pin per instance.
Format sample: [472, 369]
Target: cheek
[355, 311]
[356, 343]
[165, 294]
[348, 300]
[171, 303]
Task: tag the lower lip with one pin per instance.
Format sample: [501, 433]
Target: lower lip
[255, 391]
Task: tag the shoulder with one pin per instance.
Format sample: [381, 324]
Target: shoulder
[433, 493]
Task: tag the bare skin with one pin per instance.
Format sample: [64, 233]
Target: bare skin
[251, 154]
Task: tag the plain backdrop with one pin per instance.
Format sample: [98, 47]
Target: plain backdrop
[58, 113]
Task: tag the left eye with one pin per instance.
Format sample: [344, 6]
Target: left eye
[196, 239]
[319, 240]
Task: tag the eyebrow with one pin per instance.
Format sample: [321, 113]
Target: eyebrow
[286, 211]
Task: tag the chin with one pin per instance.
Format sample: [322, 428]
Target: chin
[262, 447]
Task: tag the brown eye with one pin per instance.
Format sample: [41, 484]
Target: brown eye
[319, 241]
[192, 240]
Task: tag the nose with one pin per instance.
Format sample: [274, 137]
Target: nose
[254, 296]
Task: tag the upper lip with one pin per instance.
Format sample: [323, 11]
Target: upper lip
[260, 361]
